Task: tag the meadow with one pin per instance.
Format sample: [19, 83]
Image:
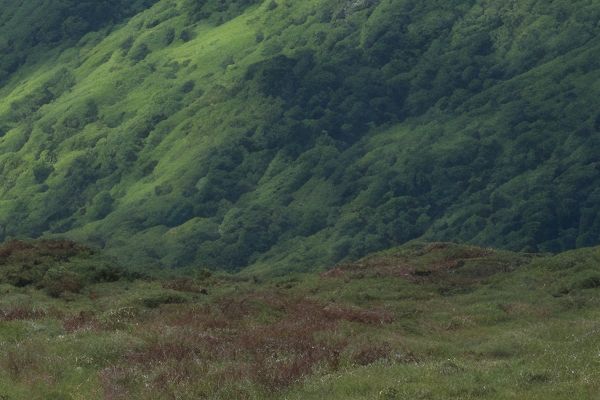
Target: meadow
[423, 321]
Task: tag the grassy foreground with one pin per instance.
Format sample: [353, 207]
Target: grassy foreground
[423, 321]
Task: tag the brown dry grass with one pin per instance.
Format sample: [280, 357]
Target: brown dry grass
[20, 313]
[56, 249]
[182, 341]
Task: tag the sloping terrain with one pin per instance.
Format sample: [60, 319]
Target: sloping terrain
[424, 321]
[283, 134]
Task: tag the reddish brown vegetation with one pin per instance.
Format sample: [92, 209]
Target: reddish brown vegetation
[61, 250]
[373, 317]
[336, 272]
[295, 336]
[434, 262]
[371, 353]
[184, 285]
[114, 381]
[84, 321]
[22, 313]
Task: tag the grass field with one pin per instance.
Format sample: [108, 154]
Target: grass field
[424, 321]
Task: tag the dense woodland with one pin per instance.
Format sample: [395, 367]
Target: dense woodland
[279, 134]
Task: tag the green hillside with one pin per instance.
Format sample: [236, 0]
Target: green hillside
[284, 135]
[433, 321]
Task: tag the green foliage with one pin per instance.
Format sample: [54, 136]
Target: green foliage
[215, 11]
[55, 23]
[163, 298]
[58, 267]
[101, 206]
[41, 171]
[139, 52]
[279, 134]
[58, 281]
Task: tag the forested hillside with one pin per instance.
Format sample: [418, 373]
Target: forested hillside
[286, 134]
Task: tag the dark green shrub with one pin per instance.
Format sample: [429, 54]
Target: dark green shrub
[163, 298]
[188, 86]
[186, 35]
[41, 171]
[59, 281]
[590, 282]
[127, 44]
[105, 273]
[101, 206]
[139, 52]
[163, 189]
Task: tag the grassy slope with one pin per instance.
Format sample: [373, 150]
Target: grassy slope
[150, 139]
[431, 321]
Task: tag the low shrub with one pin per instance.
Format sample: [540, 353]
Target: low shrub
[59, 281]
[184, 285]
[57, 266]
[589, 282]
[371, 353]
[157, 300]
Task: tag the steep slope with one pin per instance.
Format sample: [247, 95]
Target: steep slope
[31, 28]
[287, 134]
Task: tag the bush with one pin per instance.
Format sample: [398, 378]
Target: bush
[184, 285]
[139, 52]
[590, 282]
[105, 273]
[59, 281]
[101, 206]
[41, 171]
[57, 266]
[157, 300]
